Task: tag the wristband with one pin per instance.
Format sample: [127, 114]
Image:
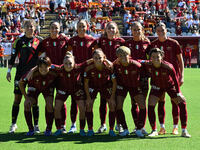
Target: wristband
[178, 94]
[9, 70]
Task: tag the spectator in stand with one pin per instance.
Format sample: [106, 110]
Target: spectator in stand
[93, 14]
[178, 30]
[117, 7]
[188, 55]
[22, 14]
[126, 20]
[42, 18]
[195, 31]
[4, 10]
[196, 21]
[1, 55]
[51, 5]
[73, 7]
[4, 29]
[181, 3]
[194, 9]
[189, 25]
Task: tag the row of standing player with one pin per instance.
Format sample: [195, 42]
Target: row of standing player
[81, 46]
[125, 74]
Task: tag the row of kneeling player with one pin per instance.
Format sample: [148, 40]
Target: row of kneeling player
[112, 80]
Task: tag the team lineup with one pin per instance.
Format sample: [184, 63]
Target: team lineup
[82, 67]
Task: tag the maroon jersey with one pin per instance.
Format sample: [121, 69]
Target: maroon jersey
[69, 81]
[109, 46]
[55, 48]
[81, 48]
[163, 77]
[127, 76]
[138, 48]
[98, 79]
[40, 82]
[171, 48]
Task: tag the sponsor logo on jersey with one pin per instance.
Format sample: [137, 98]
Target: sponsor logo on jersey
[164, 73]
[133, 72]
[68, 75]
[169, 48]
[126, 71]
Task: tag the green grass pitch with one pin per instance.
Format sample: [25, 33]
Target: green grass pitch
[19, 141]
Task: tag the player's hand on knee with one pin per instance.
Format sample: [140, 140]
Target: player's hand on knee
[180, 99]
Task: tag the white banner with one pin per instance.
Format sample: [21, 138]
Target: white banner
[7, 48]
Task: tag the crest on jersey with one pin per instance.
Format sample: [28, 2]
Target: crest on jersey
[103, 42]
[47, 43]
[150, 70]
[74, 43]
[169, 48]
[62, 42]
[68, 75]
[43, 83]
[126, 71]
[145, 46]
